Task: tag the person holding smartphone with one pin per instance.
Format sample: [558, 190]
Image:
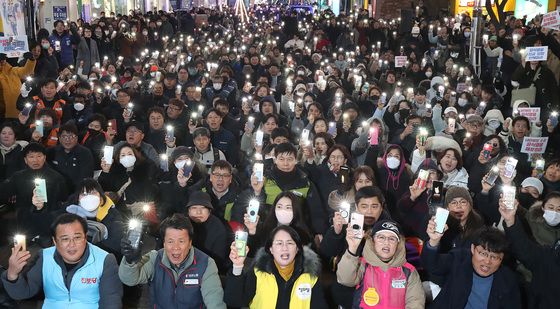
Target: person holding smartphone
[383, 275]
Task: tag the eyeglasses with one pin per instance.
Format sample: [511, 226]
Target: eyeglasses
[281, 244]
[462, 203]
[382, 238]
[486, 255]
[221, 176]
[67, 137]
[174, 108]
[65, 241]
[338, 158]
[133, 131]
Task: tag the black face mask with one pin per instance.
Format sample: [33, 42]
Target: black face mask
[526, 200]
[404, 113]
[375, 97]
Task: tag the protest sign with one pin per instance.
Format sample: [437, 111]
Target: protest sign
[400, 61]
[534, 144]
[532, 113]
[536, 53]
[551, 20]
[14, 46]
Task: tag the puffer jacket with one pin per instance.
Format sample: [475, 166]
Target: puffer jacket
[10, 84]
[543, 233]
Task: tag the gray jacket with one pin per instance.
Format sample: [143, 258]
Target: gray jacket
[88, 54]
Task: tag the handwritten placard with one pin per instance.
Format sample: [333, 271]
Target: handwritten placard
[537, 53]
[400, 61]
[532, 113]
[551, 20]
[534, 144]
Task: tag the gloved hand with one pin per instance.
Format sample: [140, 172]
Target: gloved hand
[24, 90]
[131, 255]
[28, 56]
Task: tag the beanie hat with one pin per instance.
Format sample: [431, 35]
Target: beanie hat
[455, 192]
[199, 198]
[386, 225]
[179, 151]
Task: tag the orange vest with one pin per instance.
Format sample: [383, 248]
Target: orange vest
[52, 139]
[58, 105]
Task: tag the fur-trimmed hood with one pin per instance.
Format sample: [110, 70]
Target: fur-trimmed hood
[536, 212]
[308, 262]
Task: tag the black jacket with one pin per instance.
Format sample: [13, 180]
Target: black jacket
[32, 221]
[213, 238]
[544, 264]
[11, 162]
[456, 266]
[74, 166]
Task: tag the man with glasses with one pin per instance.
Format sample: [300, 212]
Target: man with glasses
[474, 278]
[221, 187]
[135, 137]
[370, 202]
[73, 273]
[382, 275]
[69, 158]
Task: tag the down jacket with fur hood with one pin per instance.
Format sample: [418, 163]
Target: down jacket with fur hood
[240, 290]
[543, 233]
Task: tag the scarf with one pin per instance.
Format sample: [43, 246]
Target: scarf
[286, 272]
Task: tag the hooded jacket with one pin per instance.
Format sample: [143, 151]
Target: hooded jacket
[351, 272]
[543, 233]
[246, 289]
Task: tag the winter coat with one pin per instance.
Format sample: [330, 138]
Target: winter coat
[242, 290]
[351, 272]
[457, 267]
[88, 54]
[543, 263]
[211, 237]
[544, 234]
[11, 159]
[10, 85]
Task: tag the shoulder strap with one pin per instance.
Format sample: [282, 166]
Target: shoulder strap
[216, 152]
[123, 188]
[536, 74]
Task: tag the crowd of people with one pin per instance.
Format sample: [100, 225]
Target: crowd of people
[264, 156]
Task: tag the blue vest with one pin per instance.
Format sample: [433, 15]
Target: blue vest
[185, 294]
[84, 288]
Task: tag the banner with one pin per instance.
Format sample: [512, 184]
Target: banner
[532, 113]
[14, 46]
[12, 17]
[534, 144]
[530, 8]
[536, 53]
[60, 13]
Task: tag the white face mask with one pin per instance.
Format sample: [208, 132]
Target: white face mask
[79, 106]
[217, 86]
[90, 202]
[284, 216]
[393, 163]
[428, 74]
[180, 164]
[462, 102]
[128, 161]
[551, 217]
[493, 124]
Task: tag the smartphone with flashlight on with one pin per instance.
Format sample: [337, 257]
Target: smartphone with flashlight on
[441, 219]
[27, 109]
[187, 169]
[134, 233]
[258, 169]
[253, 210]
[357, 224]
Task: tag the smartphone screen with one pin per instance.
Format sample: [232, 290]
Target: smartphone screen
[357, 224]
[344, 175]
[437, 192]
[441, 219]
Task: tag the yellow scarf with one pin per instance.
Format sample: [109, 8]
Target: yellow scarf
[103, 210]
[286, 272]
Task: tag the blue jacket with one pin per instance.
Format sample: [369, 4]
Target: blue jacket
[225, 141]
[84, 287]
[66, 54]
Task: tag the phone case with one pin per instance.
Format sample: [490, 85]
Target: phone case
[437, 192]
[253, 210]
[241, 243]
[305, 135]
[41, 188]
[441, 219]
[493, 175]
[510, 167]
[259, 138]
[134, 234]
[373, 136]
[108, 154]
[27, 109]
[251, 123]
[187, 169]
[509, 196]
[357, 223]
[451, 125]
[113, 124]
[170, 133]
[332, 128]
[39, 127]
[259, 171]
[20, 239]
[422, 179]
[344, 174]
[344, 210]
[487, 150]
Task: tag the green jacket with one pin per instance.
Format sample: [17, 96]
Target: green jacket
[543, 233]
